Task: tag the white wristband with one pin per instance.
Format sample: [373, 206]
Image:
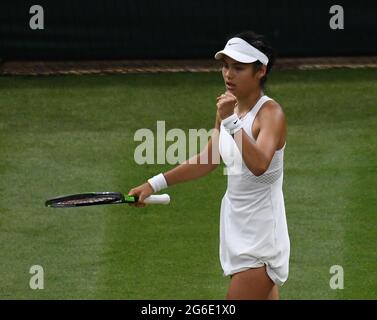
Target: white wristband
[158, 182]
[232, 124]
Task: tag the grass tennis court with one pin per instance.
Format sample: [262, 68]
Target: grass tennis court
[69, 134]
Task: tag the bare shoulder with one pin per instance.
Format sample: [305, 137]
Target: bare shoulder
[271, 117]
[271, 111]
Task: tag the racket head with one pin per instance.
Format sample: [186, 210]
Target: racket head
[89, 199]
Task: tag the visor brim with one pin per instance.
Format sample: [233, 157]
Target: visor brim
[235, 55]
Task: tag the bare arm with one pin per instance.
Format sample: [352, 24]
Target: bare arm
[258, 155]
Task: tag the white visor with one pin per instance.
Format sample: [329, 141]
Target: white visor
[241, 51]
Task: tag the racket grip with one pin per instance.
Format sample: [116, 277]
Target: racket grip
[157, 199]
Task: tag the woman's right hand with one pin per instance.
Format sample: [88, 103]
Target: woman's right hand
[143, 191]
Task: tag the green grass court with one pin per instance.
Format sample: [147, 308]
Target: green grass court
[70, 134]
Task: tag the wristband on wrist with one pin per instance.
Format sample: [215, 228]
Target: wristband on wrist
[158, 182]
[232, 124]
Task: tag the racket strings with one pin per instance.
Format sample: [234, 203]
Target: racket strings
[87, 200]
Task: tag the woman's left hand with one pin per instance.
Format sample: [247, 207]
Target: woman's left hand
[226, 104]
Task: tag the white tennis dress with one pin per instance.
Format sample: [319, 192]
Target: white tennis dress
[253, 226]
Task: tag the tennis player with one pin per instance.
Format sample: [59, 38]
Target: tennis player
[254, 240]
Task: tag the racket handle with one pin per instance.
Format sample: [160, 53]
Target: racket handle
[157, 199]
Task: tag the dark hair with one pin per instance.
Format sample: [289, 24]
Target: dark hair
[258, 41]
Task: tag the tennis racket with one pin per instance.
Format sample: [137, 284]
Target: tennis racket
[98, 198]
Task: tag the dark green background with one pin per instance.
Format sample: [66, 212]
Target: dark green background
[88, 29]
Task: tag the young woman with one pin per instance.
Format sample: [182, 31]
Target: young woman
[251, 131]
